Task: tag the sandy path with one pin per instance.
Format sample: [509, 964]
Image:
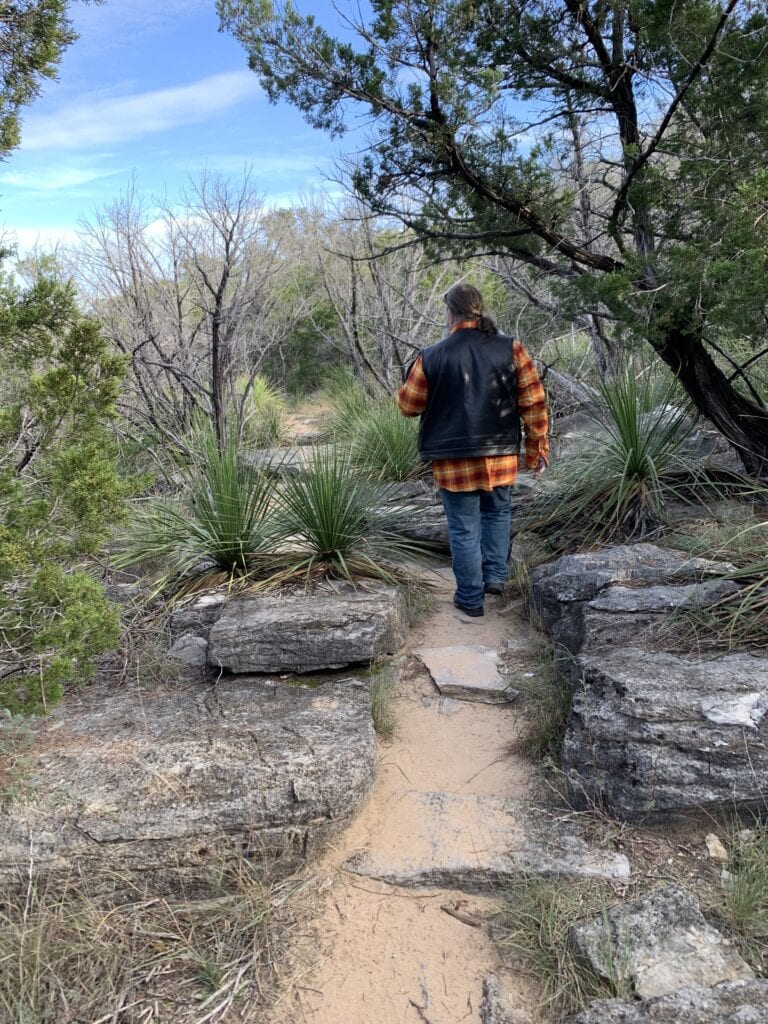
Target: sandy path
[389, 955]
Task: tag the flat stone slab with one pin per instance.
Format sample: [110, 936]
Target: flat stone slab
[467, 672]
[475, 843]
[285, 461]
[734, 1002]
[329, 628]
[653, 734]
[658, 943]
[609, 597]
[158, 783]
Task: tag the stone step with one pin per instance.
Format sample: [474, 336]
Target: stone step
[467, 672]
[475, 843]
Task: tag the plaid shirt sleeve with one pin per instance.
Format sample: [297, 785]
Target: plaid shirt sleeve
[412, 396]
[532, 403]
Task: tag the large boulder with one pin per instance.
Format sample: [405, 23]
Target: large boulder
[734, 1002]
[657, 944]
[653, 733]
[610, 597]
[307, 632]
[154, 785]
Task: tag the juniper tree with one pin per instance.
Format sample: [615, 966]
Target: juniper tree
[60, 491]
[475, 106]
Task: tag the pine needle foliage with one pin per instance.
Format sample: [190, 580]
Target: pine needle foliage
[619, 485]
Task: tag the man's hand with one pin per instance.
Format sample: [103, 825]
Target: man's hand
[541, 466]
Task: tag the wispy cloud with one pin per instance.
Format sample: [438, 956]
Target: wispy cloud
[121, 119]
[52, 179]
[32, 239]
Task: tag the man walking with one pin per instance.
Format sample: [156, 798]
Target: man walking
[471, 390]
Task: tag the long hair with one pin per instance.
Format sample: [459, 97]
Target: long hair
[466, 302]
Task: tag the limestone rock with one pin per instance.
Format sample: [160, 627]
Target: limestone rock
[190, 650]
[153, 787]
[282, 461]
[734, 1002]
[195, 615]
[658, 943]
[652, 734]
[611, 596]
[467, 671]
[498, 1006]
[475, 843]
[326, 629]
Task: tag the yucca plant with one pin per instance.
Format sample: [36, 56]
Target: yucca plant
[618, 487]
[334, 519]
[222, 517]
[386, 444]
[348, 403]
[264, 415]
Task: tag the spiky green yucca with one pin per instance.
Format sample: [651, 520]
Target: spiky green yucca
[618, 486]
[222, 517]
[349, 403]
[264, 415]
[386, 444]
[332, 515]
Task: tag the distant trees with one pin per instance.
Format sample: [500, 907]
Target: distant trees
[616, 151]
[192, 293]
[386, 307]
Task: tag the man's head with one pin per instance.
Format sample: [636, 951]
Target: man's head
[464, 302]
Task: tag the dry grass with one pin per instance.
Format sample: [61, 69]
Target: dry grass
[546, 700]
[744, 907]
[534, 923]
[71, 958]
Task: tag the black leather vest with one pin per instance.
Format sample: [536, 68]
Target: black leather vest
[472, 403]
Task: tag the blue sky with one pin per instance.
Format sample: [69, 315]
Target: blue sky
[152, 92]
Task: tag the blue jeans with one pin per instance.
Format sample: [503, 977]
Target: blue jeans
[478, 532]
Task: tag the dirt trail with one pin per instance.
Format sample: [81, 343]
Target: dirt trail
[390, 955]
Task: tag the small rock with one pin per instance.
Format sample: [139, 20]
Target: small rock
[468, 672]
[716, 849]
[735, 1002]
[658, 943]
[190, 650]
[497, 1006]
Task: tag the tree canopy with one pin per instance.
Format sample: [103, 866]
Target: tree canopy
[616, 148]
[33, 37]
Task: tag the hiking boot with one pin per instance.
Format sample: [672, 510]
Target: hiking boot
[494, 588]
[475, 613]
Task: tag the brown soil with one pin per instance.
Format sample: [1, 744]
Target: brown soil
[378, 954]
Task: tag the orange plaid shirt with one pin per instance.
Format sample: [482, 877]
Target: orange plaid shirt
[483, 473]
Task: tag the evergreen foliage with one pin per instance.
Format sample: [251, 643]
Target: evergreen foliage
[618, 150]
[60, 491]
[35, 33]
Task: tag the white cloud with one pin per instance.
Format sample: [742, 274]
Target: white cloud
[36, 239]
[51, 179]
[120, 119]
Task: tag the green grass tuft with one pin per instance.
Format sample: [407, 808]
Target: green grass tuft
[546, 700]
[534, 921]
